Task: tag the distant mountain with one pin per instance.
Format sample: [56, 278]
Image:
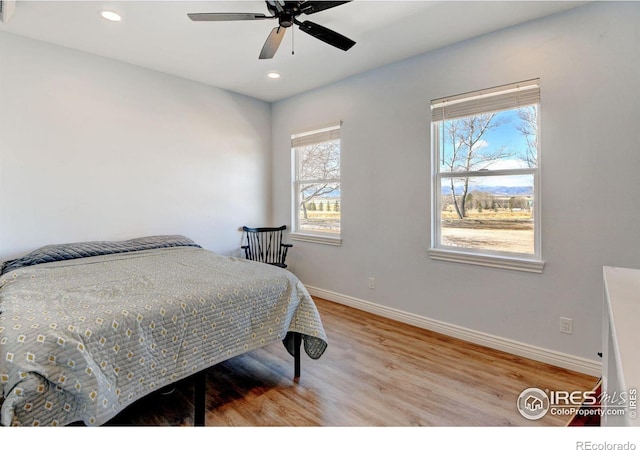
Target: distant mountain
[507, 191]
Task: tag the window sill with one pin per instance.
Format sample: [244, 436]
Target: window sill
[316, 239]
[500, 262]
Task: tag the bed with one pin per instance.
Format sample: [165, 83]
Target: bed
[86, 329]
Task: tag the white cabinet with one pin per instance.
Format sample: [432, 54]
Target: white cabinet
[621, 347]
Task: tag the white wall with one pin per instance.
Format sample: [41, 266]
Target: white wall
[94, 149]
[588, 60]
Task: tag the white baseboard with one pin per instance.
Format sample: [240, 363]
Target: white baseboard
[558, 359]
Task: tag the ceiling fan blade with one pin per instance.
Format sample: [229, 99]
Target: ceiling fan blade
[312, 7]
[326, 35]
[219, 17]
[272, 43]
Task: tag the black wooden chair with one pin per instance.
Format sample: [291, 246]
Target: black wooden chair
[265, 245]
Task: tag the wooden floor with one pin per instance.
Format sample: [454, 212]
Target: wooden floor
[375, 372]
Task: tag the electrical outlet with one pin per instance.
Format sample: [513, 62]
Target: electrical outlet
[372, 283]
[566, 325]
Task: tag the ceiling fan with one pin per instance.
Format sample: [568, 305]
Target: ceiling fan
[287, 13]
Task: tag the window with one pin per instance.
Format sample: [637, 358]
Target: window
[485, 153]
[316, 185]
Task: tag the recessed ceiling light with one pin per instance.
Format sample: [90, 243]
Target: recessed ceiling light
[110, 15]
[273, 75]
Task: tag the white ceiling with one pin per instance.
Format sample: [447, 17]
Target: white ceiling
[159, 36]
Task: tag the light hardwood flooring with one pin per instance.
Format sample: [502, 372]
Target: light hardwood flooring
[375, 372]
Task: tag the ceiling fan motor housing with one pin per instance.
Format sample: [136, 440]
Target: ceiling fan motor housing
[285, 20]
[286, 12]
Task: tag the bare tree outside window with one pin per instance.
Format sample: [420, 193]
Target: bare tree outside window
[317, 186]
[528, 127]
[464, 150]
[319, 163]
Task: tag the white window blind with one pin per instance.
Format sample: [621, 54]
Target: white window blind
[510, 96]
[328, 133]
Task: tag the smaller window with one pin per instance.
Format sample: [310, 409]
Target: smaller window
[485, 153]
[316, 185]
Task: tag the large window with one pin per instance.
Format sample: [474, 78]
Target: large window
[316, 185]
[485, 153]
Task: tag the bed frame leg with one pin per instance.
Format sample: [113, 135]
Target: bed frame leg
[199, 399]
[297, 343]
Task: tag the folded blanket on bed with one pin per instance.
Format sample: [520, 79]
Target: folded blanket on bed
[61, 252]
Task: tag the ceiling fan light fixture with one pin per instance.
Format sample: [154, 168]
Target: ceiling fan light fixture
[273, 75]
[111, 16]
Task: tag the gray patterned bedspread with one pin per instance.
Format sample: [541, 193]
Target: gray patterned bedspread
[81, 339]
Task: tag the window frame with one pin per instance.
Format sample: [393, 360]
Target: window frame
[297, 234]
[484, 257]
